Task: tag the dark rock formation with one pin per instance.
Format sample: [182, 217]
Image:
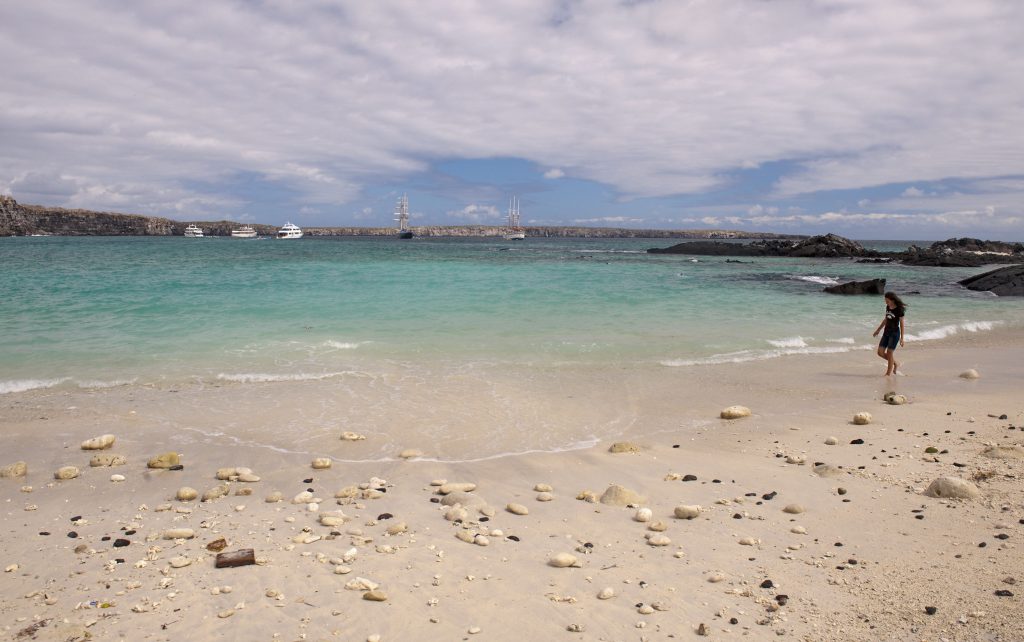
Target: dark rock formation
[1006, 281]
[23, 220]
[965, 252]
[874, 286]
[827, 246]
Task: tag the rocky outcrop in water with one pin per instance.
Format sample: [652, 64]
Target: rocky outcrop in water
[1007, 281]
[873, 286]
[825, 246]
[24, 220]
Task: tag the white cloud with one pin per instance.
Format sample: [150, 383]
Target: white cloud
[152, 107]
[601, 220]
[476, 213]
[912, 192]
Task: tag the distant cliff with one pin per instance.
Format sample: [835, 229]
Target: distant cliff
[25, 220]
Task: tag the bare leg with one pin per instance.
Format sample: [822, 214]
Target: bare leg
[890, 363]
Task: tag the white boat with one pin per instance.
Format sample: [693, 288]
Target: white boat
[289, 231]
[244, 232]
[514, 232]
[194, 231]
[402, 217]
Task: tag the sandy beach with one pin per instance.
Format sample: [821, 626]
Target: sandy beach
[792, 523]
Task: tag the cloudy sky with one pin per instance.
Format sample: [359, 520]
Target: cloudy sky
[869, 118]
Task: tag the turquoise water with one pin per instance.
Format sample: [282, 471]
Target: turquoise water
[96, 312]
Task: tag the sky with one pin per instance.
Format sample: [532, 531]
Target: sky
[873, 119]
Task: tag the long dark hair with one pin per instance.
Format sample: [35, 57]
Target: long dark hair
[900, 305]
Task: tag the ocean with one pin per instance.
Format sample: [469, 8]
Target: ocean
[373, 332]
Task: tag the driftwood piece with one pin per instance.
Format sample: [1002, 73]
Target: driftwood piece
[241, 557]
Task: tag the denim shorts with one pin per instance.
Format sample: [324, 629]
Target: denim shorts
[889, 341]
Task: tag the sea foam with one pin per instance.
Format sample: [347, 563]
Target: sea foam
[789, 342]
[23, 385]
[264, 377]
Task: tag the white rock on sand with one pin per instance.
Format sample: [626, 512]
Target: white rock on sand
[564, 560]
[66, 472]
[970, 374]
[517, 509]
[862, 418]
[98, 443]
[17, 469]
[952, 488]
[107, 460]
[735, 412]
[321, 463]
[616, 495]
[687, 512]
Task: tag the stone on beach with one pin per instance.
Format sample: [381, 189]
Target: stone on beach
[606, 593]
[545, 497]
[970, 374]
[616, 495]
[66, 472]
[410, 453]
[186, 494]
[894, 399]
[321, 463]
[107, 460]
[659, 540]
[216, 492]
[352, 436]
[952, 488]
[241, 557]
[862, 418]
[831, 441]
[179, 533]
[564, 560]
[735, 412]
[180, 561]
[643, 515]
[623, 447]
[517, 509]
[332, 518]
[17, 469]
[98, 443]
[687, 512]
[375, 596]
[164, 460]
[543, 488]
[274, 497]
[237, 474]
[793, 509]
[827, 470]
[452, 487]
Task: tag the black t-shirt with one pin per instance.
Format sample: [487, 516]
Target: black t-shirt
[892, 320]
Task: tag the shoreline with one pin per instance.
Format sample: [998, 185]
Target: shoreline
[917, 552]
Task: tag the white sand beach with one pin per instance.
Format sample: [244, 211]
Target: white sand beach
[795, 537]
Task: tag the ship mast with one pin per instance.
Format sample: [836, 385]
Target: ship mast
[402, 213]
[513, 213]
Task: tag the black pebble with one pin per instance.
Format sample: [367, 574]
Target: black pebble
[767, 584]
[930, 610]
[769, 496]
[307, 481]
[944, 452]
[118, 543]
[839, 543]
[918, 516]
[1004, 593]
[485, 518]
[675, 445]
[716, 481]
[733, 620]
[384, 516]
[854, 562]
[587, 545]
[120, 560]
[750, 495]
[959, 465]
[948, 414]
[129, 532]
[383, 490]
[513, 538]
[72, 534]
[857, 442]
[737, 516]
[76, 518]
[983, 545]
[177, 467]
[1003, 417]
[689, 478]
[841, 491]
[1002, 536]
[44, 532]
[435, 500]
[105, 538]
[782, 599]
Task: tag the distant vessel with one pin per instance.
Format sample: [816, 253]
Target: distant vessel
[289, 231]
[244, 232]
[193, 231]
[515, 232]
[402, 216]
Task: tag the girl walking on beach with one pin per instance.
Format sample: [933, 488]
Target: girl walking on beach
[892, 323]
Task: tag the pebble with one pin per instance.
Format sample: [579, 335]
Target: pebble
[862, 418]
[117, 478]
[517, 509]
[793, 509]
[107, 460]
[894, 399]
[564, 560]
[216, 493]
[274, 497]
[352, 436]
[410, 453]
[186, 494]
[545, 497]
[179, 533]
[575, 628]
[321, 463]
[657, 526]
[831, 441]
[659, 540]
[473, 630]
[66, 472]
[715, 578]
[952, 488]
[606, 593]
[687, 512]
[624, 447]
[375, 595]
[17, 469]
[735, 412]
[543, 488]
[456, 487]
[164, 460]
[98, 443]
[795, 459]
[970, 374]
[643, 515]
[748, 541]
[180, 561]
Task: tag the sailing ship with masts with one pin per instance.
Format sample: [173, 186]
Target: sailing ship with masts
[515, 231]
[402, 217]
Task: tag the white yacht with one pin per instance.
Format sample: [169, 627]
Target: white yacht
[244, 232]
[514, 232]
[194, 231]
[289, 231]
[402, 217]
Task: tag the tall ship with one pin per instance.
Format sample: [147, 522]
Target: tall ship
[515, 231]
[194, 231]
[244, 232]
[289, 231]
[402, 217]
